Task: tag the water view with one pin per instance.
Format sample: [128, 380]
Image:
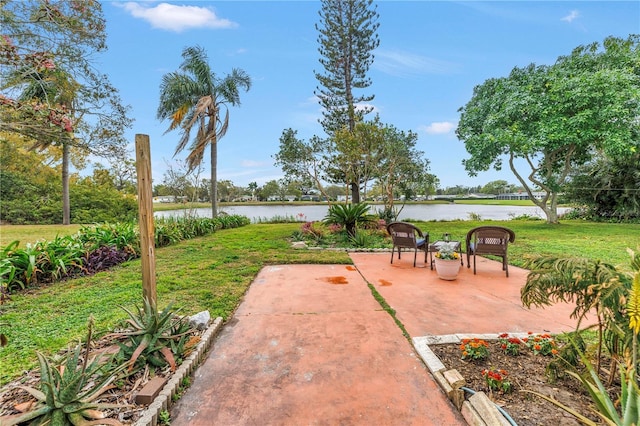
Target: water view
[424, 212]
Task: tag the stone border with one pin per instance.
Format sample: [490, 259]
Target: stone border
[164, 400]
[477, 409]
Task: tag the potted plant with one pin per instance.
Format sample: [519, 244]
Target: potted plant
[447, 261]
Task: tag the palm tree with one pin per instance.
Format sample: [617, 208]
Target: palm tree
[195, 96]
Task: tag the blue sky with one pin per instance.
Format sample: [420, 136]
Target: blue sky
[431, 56]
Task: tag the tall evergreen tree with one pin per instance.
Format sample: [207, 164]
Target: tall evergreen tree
[347, 39]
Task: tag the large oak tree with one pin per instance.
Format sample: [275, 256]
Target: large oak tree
[555, 117]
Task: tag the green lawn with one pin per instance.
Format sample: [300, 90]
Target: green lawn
[32, 233]
[214, 272]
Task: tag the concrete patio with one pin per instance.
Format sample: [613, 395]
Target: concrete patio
[309, 344]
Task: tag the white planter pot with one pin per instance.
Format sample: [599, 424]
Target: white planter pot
[447, 269]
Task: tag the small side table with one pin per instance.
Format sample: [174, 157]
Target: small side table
[435, 247]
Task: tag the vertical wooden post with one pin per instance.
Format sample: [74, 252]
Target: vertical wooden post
[145, 219]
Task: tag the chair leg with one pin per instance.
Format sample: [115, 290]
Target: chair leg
[474, 263]
[392, 250]
[415, 255]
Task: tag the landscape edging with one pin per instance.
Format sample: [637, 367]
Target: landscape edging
[164, 400]
[437, 369]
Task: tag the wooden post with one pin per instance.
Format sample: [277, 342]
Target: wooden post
[145, 219]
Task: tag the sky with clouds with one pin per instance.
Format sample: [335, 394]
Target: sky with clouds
[431, 56]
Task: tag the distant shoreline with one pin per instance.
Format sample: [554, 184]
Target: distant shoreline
[187, 206]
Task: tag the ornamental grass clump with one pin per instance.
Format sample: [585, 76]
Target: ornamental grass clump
[474, 349]
[510, 345]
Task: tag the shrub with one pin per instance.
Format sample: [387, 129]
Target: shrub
[348, 215]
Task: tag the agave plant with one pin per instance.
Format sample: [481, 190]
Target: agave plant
[154, 337]
[349, 216]
[68, 392]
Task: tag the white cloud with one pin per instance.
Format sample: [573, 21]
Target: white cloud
[252, 163]
[404, 64]
[372, 108]
[438, 128]
[177, 18]
[571, 16]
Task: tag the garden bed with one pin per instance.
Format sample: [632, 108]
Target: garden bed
[525, 371]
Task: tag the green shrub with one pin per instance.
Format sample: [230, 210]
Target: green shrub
[349, 215]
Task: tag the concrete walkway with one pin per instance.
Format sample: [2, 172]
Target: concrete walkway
[309, 345]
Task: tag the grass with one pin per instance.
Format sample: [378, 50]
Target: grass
[210, 273]
[32, 233]
[214, 272]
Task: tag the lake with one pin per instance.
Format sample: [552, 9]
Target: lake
[422, 212]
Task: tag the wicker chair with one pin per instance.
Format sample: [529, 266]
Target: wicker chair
[407, 236]
[489, 240]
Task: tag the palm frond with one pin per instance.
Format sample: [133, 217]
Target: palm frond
[633, 305]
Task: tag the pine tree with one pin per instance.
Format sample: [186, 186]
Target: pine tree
[347, 39]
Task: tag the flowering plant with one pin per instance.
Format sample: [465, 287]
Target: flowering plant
[474, 349]
[541, 344]
[497, 380]
[509, 345]
[447, 252]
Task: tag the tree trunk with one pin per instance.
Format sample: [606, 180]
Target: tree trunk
[355, 193]
[66, 207]
[550, 210]
[214, 178]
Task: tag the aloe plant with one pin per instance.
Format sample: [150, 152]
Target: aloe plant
[68, 392]
[155, 337]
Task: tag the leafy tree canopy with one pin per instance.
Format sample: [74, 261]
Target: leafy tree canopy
[555, 117]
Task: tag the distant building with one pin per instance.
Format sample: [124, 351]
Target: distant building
[520, 195]
[164, 199]
[478, 195]
[279, 198]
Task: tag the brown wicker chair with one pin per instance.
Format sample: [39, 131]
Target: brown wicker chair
[407, 236]
[489, 240]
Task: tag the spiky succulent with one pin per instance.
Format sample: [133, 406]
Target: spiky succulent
[68, 392]
[155, 337]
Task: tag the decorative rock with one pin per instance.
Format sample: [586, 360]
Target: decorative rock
[299, 245]
[200, 320]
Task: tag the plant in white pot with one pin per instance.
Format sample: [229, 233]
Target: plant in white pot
[447, 261]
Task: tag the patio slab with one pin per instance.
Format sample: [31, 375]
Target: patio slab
[487, 302]
[309, 345]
